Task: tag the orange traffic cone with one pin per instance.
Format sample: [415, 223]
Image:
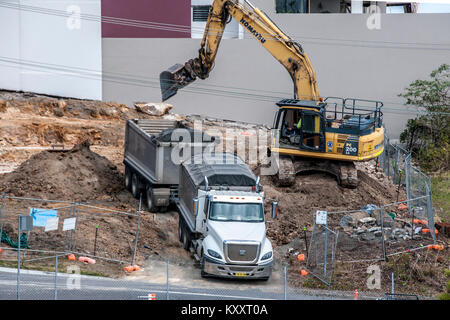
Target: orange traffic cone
[301, 257]
[303, 272]
[355, 296]
[71, 257]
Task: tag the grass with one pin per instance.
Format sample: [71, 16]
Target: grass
[440, 188]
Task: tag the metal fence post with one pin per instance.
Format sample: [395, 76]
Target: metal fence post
[18, 258]
[1, 215]
[285, 282]
[167, 280]
[407, 178]
[383, 248]
[56, 277]
[325, 253]
[430, 214]
[137, 231]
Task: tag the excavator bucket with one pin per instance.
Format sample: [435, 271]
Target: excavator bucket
[172, 79]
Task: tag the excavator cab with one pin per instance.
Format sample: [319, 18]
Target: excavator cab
[301, 125]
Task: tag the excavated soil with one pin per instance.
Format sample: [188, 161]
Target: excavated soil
[78, 174]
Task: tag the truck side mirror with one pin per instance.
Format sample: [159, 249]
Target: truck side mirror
[274, 209]
[195, 206]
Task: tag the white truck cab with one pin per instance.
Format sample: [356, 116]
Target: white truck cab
[235, 243]
[224, 223]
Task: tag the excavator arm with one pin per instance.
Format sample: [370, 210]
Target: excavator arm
[288, 52]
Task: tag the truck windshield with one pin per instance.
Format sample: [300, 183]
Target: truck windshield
[244, 212]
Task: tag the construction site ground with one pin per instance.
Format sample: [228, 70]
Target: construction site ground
[90, 170]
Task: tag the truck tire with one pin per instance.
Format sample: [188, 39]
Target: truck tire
[186, 240]
[180, 229]
[203, 274]
[163, 209]
[135, 185]
[127, 178]
[150, 201]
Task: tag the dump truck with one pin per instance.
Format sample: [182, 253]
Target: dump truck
[219, 200]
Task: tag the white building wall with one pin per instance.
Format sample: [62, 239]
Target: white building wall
[56, 51]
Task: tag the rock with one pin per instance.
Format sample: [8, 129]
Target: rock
[368, 236]
[58, 113]
[360, 230]
[370, 209]
[346, 221]
[368, 220]
[378, 233]
[374, 229]
[153, 109]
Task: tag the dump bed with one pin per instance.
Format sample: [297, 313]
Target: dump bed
[149, 145]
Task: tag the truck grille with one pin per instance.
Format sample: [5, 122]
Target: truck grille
[241, 252]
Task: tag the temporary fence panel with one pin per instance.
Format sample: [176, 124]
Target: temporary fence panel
[322, 253]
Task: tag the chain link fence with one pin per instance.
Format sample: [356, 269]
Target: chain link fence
[375, 232]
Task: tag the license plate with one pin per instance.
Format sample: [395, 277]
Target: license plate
[240, 274]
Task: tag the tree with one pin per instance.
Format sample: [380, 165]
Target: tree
[428, 135]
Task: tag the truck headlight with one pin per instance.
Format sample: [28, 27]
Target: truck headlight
[268, 255]
[214, 254]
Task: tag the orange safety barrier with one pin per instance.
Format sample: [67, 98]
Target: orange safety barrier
[303, 272]
[132, 268]
[86, 260]
[71, 257]
[438, 247]
[151, 296]
[418, 221]
[402, 206]
[301, 257]
[428, 231]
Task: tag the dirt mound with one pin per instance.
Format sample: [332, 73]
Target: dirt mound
[77, 174]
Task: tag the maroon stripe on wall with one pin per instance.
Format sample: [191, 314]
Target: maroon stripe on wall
[177, 12]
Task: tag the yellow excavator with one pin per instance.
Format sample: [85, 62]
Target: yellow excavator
[310, 133]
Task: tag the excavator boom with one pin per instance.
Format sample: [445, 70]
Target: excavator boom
[289, 53]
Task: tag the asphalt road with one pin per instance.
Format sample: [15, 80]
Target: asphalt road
[37, 285]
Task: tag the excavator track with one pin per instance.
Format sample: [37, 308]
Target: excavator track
[288, 167]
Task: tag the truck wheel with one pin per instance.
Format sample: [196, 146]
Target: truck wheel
[150, 203]
[202, 272]
[135, 185]
[127, 178]
[180, 230]
[186, 240]
[163, 209]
